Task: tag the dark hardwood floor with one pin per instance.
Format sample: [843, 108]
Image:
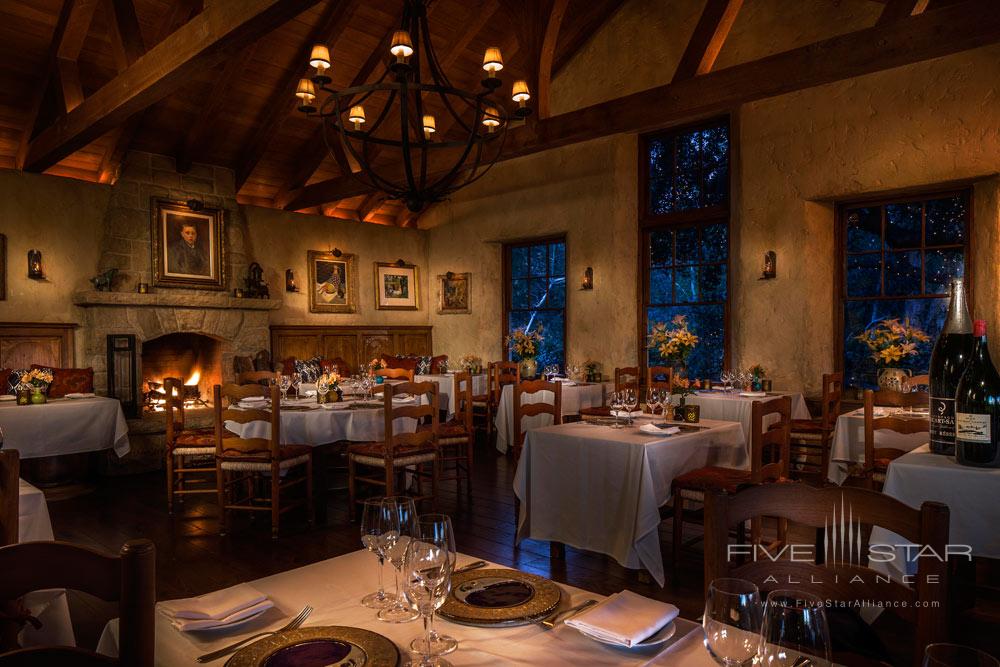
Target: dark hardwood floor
[193, 559]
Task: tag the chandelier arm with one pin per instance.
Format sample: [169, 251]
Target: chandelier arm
[373, 180]
[437, 74]
[363, 176]
[404, 104]
[490, 164]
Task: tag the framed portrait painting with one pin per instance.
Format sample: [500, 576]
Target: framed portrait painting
[453, 293]
[396, 286]
[188, 246]
[333, 283]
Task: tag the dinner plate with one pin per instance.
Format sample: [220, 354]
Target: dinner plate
[659, 637]
[7, 397]
[499, 597]
[232, 624]
[318, 647]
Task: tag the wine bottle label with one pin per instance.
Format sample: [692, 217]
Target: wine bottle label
[972, 427]
[943, 421]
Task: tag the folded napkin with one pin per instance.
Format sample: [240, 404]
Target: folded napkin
[214, 609]
[254, 399]
[653, 428]
[402, 398]
[753, 394]
[77, 394]
[622, 413]
[339, 405]
[625, 618]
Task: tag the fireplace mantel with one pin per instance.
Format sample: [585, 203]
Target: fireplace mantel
[93, 298]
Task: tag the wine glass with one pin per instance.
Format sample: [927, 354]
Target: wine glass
[296, 381]
[725, 377]
[374, 525]
[401, 517]
[794, 632]
[732, 622]
[955, 655]
[284, 383]
[617, 403]
[651, 399]
[631, 402]
[431, 557]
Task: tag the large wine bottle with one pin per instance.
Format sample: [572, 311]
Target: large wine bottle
[951, 354]
[977, 407]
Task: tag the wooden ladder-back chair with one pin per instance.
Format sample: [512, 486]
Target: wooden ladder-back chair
[624, 378]
[877, 459]
[129, 579]
[502, 373]
[811, 438]
[765, 466]
[457, 438]
[399, 451]
[189, 451]
[482, 406]
[522, 410]
[244, 462]
[10, 494]
[265, 378]
[845, 577]
[405, 374]
[660, 377]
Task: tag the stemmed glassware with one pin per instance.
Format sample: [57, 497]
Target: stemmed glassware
[375, 534]
[430, 561]
[401, 516]
[631, 403]
[794, 632]
[296, 381]
[667, 403]
[284, 384]
[617, 403]
[652, 399]
[732, 622]
[726, 378]
[955, 655]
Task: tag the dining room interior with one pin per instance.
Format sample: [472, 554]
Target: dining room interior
[590, 332]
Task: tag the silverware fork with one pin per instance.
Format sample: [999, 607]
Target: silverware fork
[232, 648]
[471, 566]
[551, 621]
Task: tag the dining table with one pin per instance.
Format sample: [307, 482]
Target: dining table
[723, 405]
[600, 488]
[575, 397]
[64, 426]
[446, 387]
[847, 445]
[334, 588]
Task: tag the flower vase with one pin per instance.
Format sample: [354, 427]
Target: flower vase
[893, 379]
[379, 379]
[757, 384]
[38, 396]
[529, 368]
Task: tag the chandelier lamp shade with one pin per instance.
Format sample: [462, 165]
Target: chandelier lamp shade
[414, 135]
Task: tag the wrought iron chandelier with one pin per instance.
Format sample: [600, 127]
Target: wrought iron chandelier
[419, 159]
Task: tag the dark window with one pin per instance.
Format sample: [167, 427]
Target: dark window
[685, 239]
[535, 295]
[898, 257]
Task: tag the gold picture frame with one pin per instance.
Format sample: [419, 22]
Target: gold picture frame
[188, 245]
[397, 286]
[3, 267]
[453, 293]
[333, 282]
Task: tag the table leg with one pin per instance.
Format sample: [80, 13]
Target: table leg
[557, 550]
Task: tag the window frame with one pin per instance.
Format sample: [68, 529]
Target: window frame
[701, 217]
[883, 199]
[506, 264]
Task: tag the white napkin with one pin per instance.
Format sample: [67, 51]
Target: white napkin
[753, 394]
[339, 405]
[254, 399]
[625, 618]
[215, 609]
[402, 398]
[622, 413]
[77, 394]
[653, 428]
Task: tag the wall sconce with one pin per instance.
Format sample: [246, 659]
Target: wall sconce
[588, 279]
[770, 270]
[35, 265]
[290, 281]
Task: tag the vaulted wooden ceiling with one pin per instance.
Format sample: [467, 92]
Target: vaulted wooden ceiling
[212, 81]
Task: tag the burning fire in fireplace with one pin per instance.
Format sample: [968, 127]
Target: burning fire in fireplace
[193, 358]
[156, 393]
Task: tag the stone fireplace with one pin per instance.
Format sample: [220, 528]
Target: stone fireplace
[195, 359]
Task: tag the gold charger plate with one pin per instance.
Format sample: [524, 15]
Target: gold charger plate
[492, 597]
[323, 645]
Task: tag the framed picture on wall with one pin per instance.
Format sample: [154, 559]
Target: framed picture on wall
[188, 246]
[396, 286]
[3, 267]
[333, 282]
[453, 293]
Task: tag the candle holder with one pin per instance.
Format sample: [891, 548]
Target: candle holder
[692, 414]
[23, 397]
[35, 265]
[142, 288]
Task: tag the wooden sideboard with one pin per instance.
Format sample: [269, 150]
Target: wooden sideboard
[357, 345]
[43, 343]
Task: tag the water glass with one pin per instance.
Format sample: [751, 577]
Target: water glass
[732, 622]
[617, 403]
[374, 525]
[794, 632]
[631, 402]
[284, 383]
[401, 516]
[296, 381]
[955, 655]
[431, 560]
[652, 396]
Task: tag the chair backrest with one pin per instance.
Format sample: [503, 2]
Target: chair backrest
[890, 423]
[837, 569]
[502, 373]
[528, 387]
[231, 446]
[627, 377]
[832, 388]
[902, 399]
[462, 388]
[396, 373]
[173, 404]
[658, 377]
[911, 383]
[425, 406]
[129, 579]
[10, 483]
[234, 393]
[265, 378]
[769, 444]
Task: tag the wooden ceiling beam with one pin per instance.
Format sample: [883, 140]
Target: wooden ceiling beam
[579, 32]
[124, 33]
[282, 102]
[68, 88]
[900, 9]
[933, 34]
[707, 39]
[202, 42]
[546, 56]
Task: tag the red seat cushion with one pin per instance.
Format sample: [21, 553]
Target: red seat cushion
[595, 412]
[713, 478]
[284, 452]
[69, 380]
[377, 450]
[399, 362]
[449, 429]
[807, 426]
[882, 465]
[343, 368]
[195, 437]
[437, 361]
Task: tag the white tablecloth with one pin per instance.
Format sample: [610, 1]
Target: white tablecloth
[731, 407]
[64, 426]
[319, 426]
[334, 587]
[48, 606]
[446, 387]
[599, 488]
[575, 397]
[848, 446]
